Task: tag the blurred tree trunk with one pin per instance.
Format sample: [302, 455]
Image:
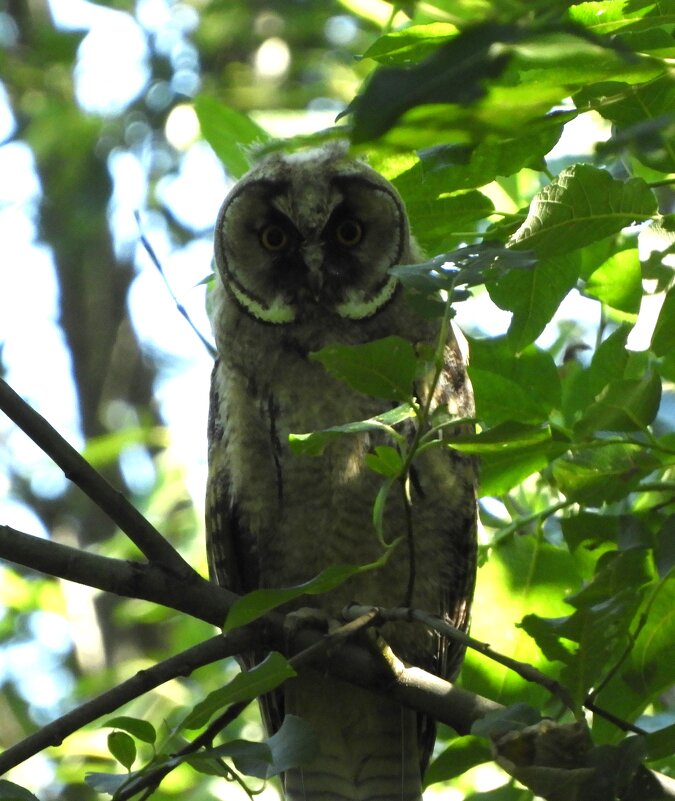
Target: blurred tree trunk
[107, 362]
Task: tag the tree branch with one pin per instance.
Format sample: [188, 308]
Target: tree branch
[148, 582]
[181, 664]
[144, 535]
[526, 671]
[409, 686]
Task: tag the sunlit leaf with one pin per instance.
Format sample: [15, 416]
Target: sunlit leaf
[229, 132]
[453, 73]
[618, 282]
[523, 575]
[600, 626]
[385, 460]
[409, 44]
[449, 168]
[582, 205]
[462, 754]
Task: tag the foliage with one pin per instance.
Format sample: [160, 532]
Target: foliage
[461, 104]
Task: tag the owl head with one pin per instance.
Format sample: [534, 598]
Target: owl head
[315, 233]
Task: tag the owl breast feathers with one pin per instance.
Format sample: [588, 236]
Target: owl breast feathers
[303, 247]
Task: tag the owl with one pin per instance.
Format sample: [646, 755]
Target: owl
[304, 244]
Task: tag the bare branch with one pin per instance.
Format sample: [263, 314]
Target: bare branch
[144, 535]
[195, 596]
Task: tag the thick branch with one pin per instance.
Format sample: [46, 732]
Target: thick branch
[205, 601]
[80, 472]
[195, 596]
[411, 687]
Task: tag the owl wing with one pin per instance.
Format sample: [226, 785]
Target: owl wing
[231, 549]
[456, 591]
[455, 393]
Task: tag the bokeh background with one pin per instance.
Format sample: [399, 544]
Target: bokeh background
[100, 144]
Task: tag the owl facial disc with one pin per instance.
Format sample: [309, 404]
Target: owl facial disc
[302, 237]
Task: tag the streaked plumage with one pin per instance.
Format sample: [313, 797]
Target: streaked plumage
[303, 246]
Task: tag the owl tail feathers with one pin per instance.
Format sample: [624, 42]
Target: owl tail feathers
[368, 746]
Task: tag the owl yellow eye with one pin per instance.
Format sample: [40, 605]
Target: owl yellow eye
[348, 233]
[273, 238]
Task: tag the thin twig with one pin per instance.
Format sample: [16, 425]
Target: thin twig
[151, 779]
[144, 535]
[181, 309]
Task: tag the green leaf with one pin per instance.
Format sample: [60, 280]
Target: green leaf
[612, 16]
[534, 296]
[582, 205]
[314, 443]
[663, 339]
[122, 747]
[451, 168]
[14, 792]
[661, 743]
[453, 73]
[385, 460]
[524, 574]
[294, 745]
[229, 133]
[602, 475]
[600, 626]
[618, 282]
[410, 44]
[632, 109]
[443, 223]
[140, 729]
[589, 529]
[461, 755]
[255, 604]
[648, 671]
[608, 364]
[522, 387]
[384, 368]
[106, 782]
[625, 405]
[510, 452]
[517, 716]
[273, 671]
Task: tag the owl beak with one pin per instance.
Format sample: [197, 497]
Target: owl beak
[313, 259]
